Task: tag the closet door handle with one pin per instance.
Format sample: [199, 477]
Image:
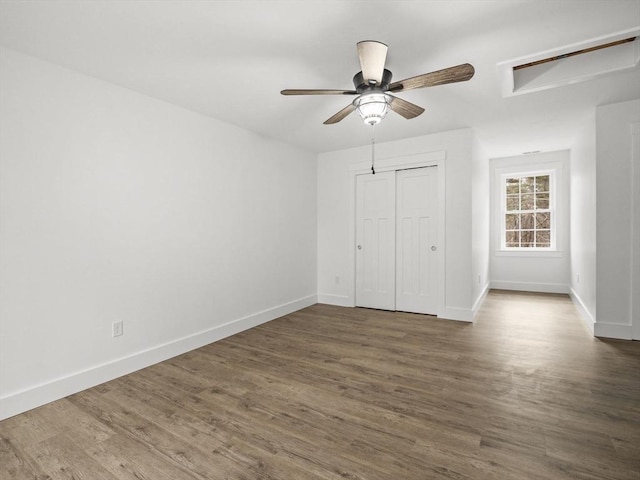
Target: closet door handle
[359, 247]
[433, 248]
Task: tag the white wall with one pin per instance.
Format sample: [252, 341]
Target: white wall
[635, 235]
[480, 224]
[532, 271]
[116, 206]
[335, 212]
[615, 217]
[583, 220]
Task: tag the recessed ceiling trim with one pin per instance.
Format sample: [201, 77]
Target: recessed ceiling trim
[572, 54]
[570, 64]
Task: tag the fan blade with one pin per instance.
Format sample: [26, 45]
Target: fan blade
[407, 109]
[341, 114]
[459, 73]
[373, 56]
[318, 92]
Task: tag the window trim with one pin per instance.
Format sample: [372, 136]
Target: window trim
[514, 166]
[552, 210]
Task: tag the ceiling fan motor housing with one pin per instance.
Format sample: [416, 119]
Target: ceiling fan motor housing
[362, 85]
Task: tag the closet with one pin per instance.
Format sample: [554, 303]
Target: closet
[396, 240]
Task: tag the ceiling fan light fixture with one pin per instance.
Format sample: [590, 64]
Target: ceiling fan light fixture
[372, 107]
[374, 81]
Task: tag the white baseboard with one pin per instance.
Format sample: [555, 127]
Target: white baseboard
[478, 303]
[456, 313]
[586, 316]
[613, 330]
[530, 286]
[338, 300]
[42, 394]
[448, 313]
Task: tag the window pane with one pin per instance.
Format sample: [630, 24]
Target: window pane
[512, 239]
[513, 202]
[543, 220]
[526, 221]
[542, 183]
[527, 184]
[513, 185]
[527, 202]
[542, 200]
[511, 221]
[543, 238]
[527, 238]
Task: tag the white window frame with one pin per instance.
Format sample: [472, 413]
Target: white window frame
[552, 210]
[512, 167]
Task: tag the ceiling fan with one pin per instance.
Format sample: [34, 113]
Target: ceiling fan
[374, 88]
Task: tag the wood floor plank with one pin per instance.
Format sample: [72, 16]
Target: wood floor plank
[236, 444]
[128, 459]
[16, 464]
[202, 465]
[63, 459]
[330, 393]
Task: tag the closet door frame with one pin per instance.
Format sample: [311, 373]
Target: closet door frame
[427, 159]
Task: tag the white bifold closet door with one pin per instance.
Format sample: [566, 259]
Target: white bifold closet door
[376, 240]
[396, 240]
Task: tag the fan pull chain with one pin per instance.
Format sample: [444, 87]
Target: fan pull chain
[373, 149]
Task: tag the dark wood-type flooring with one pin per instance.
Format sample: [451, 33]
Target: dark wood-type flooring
[341, 393]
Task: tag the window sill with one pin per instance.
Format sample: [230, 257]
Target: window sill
[529, 253]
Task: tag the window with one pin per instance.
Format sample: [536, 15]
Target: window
[528, 215]
[535, 220]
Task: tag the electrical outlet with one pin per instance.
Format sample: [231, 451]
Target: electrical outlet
[117, 328]
[337, 279]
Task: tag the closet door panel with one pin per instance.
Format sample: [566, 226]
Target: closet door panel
[375, 240]
[416, 254]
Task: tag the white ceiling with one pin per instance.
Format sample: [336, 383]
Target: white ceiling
[230, 59]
